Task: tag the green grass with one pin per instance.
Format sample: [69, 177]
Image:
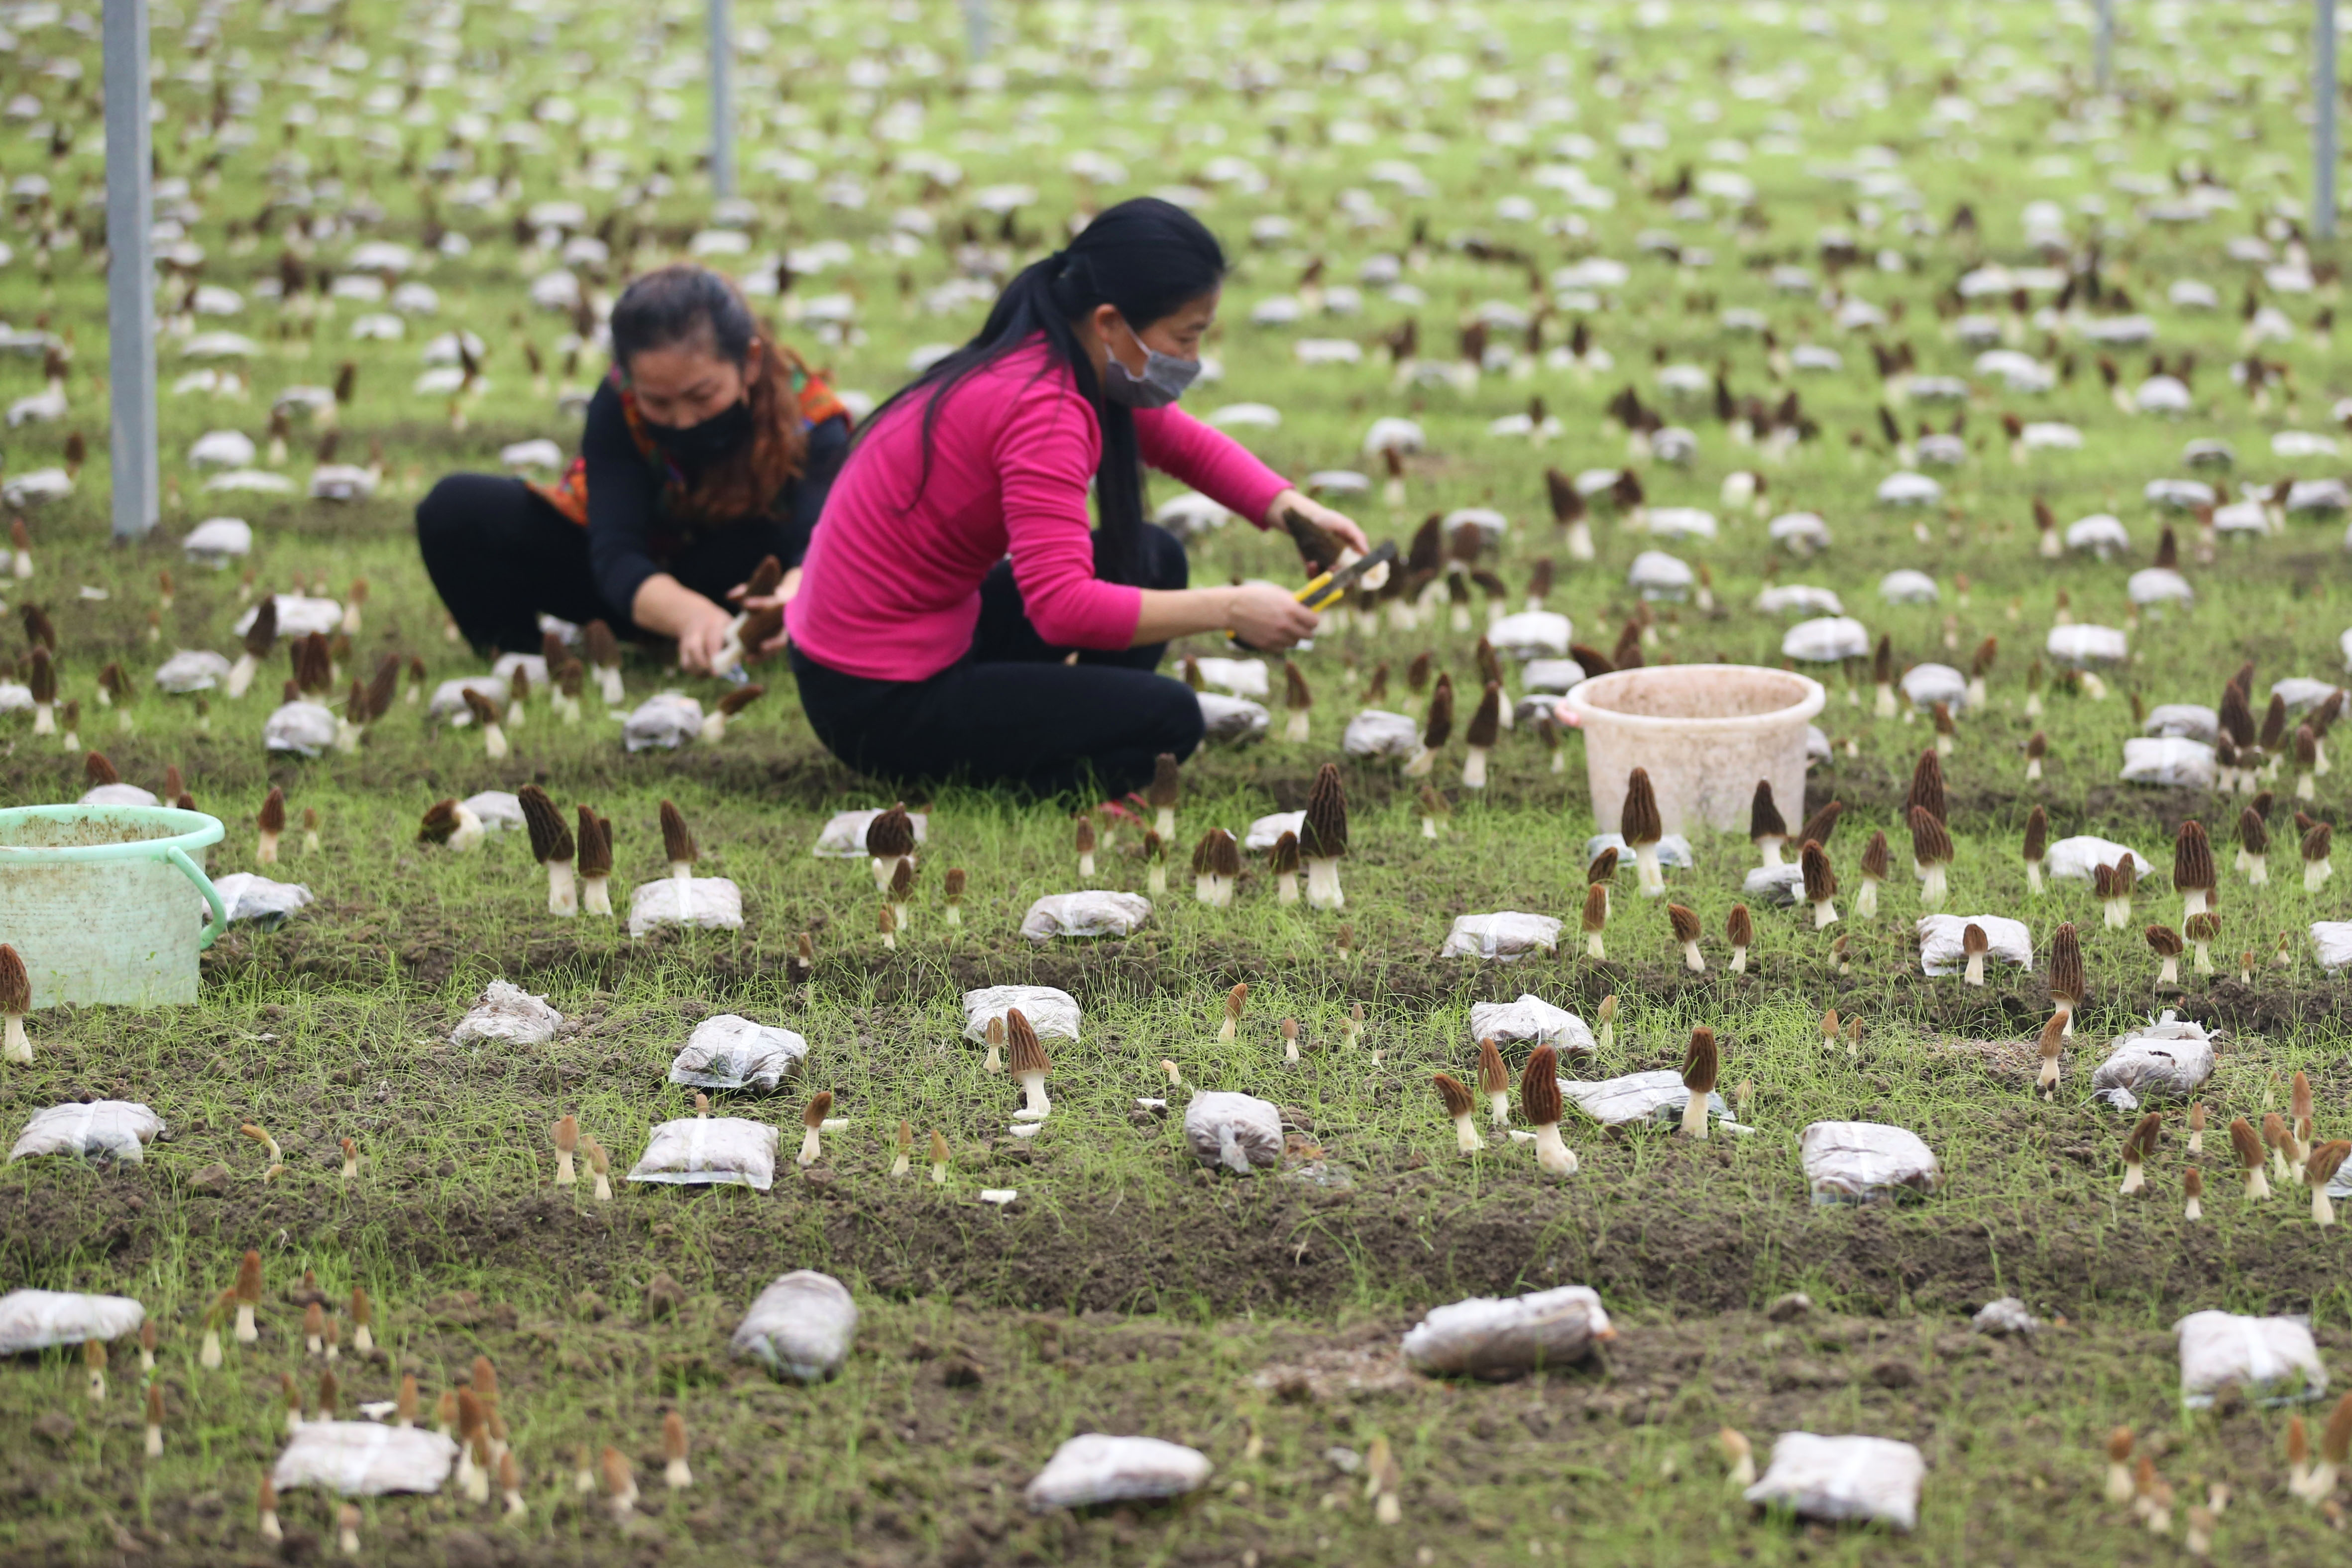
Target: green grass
[1125, 1290]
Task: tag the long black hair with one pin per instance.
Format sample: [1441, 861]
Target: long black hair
[1146, 259]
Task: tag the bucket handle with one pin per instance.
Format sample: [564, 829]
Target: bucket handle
[179, 856]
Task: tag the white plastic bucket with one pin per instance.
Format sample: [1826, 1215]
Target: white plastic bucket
[94, 898]
[1707, 732]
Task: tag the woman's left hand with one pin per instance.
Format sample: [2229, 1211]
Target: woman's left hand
[743, 600]
[1339, 525]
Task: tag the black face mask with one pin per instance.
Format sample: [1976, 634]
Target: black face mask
[697, 447]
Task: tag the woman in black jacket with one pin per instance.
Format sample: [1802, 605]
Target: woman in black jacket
[706, 449]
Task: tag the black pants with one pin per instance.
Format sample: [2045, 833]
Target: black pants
[1010, 712]
[501, 557]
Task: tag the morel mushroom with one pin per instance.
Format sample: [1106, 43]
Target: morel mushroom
[1974, 944]
[552, 846]
[1540, 1102]
[2192, 1191]
[890, 838]
[604, 651]
[2052, 1046]
[269, 825]
[1433, 812]
[939, 1159]
[2037, 746]
[1282, 860]
[2066, 983]
[260, 638]
[595, 863]
[2319, 1168]
[1027, 1059]
[680, 848]
[1486, 726]
[2193, 875]
[1604, 1019]
[1766, 829]
[2316, 865]
[951, 892]
[1299, 701]
[1931, 857]
[1700, 1063]
[2164, 942]
[1927, 786]
[1323, 838]
[1463, 1111]
[1685, 921]
[1876, 865]
[1234, 1001]
[2254, 847]
[249, 1295]
[1166, 787]
[1494, 1081]
[1739, 932]
[1596, 921]
[2137, 1146]
[2247, 1145]
[450, 822]
[2305, 747]
[1216, 863]
[1082, 839]
[566, 1134]
[16, 1002]
[1642, 828]
[813, 1115]
[714, 723]
[2037, 847]
[1435, 730]
[1821, 883]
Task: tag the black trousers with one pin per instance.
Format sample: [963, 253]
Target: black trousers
[501, 557]
[1010, 712]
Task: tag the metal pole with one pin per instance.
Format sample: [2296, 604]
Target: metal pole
[975, 26]
[2103, 45]
[2323, 121]
[722, 101]
[129, 269]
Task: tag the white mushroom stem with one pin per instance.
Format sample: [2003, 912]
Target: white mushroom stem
[2257, 868]
[2314, 874]
[1694, 1115]
[17, 1046]
[596, 895]
[2169, 973]
[1498, 1107]
[714, 726]
[1156, 880]
[1164, 824]
[2204, 957]
[608, 680]
[682, 871]
[2193, 1209]
[1768, 848]
[469, 830]
[1738, 964]
[953, 914]
[562, 889]
[1975, 975]
[1932, 886]
[1296, 729]
[1646, 871]
[271, 1531]
[939, 1173]
[347, 735]
[240, 681]
[1558, 760]
[1323, 884]
[902, 1164]
[1593, 949]
[1418, 766]
[568, 707]
[1465, 1133]
[1824, 914]
[155, 1441]
[2066, 1011]
[2323, 1209]
[1580, 541]
[1474, 769]
[1086, 863]
[209, 1355]
[1865, 900]
[1032, 1093]
[2192, 903]
[1884, 705]
[2135, 1176]
[1213, 891]
[2033, 876]
[1551, 1154]
[604, 1188]
[362, 1340]
[1285, 888]
[1692, 959]
[265, 848]
[494, 743]
[566, 1175]
[677, 1475]
[44, 717]
[898, 918]
[2118, 914]
[1428, 825]
[2257, 1185]
[246, 1332]
[2048, 1081]
[812, 1148]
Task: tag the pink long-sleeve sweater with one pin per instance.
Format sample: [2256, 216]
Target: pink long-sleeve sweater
[891, 588]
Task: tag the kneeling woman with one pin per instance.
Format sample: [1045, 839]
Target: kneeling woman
[923, 652]
[706, 449]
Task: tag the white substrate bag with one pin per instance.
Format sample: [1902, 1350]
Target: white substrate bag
[730, 1052]
[2167, 1060]
[448, 702]
[1533, 1020]
[533, 665]
[709, 1152]
[1875, 1479]
[2082, 646]
[1531, 634]
[1377, 733]
[36, 1320]
[1231, 720]
[707, 903]
[508, 1014]
[1924, 685]
[801, 1326]
[1266, 829]
[1658, 1096]
[1095, 1468]
[1094, 912]
[2071, 859]
[1236, 676]
[108, 1128]
[1863, 1162]
[2185, 721]
[1551, 676]
[306, 729]
[497, 809]
[2332, 942]
[298, 616]
[363, 1458]
[843, 838]
[1943, 951]
[1487, 1337]
[1780, 886]
[2173, 761]
[2274, 1360]
[1674, 851]
[667, 719]
[1053, 1014]
[192, 669]
[1506, 937]
[1235, 1131]
[247, 897]
[118, 794]
[1826, 640]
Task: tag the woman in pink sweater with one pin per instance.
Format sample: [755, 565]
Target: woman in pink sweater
[957, 618]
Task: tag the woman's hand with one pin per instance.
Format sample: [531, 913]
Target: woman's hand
[745, 600]
[1337, 524]
[1265, 616]
[705, 633]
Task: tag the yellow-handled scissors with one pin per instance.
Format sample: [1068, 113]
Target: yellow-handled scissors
[1328, 589]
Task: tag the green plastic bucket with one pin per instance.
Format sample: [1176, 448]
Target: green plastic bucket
[95, 899]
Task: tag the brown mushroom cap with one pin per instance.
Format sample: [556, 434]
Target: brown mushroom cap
[1821, 824]
[2141, 1141]
[891, 832]
[1486, 721]
[2245, 1144]
[98, 772]
[819, 1107]
[484, 710]
[272, 818]
[1324, 834]
[1685, 921]
[2067, 965]
[1283, 859]
[2236, 720]
[1700, 1062]
[1439, 725]
[1539, 1088]
[1639, 822]
[2164, 941]
[1973, 940]
[594, 838]
[742, 696]
[549, 838]
[1296, 696]
[439, 822]
[1738, 929]
[2037, 835]
[1493, 1076]
[16, 983]
[953, 884]
[678, 843]
[1928, 786]
[2319, 1168]
[902, 881]
[1602, 868]
[262, 633]
[249, 1279]
[1814, 864]
[1022, 1052]
[1457, 1098]
[2316, 842]
[1931, 844]
[1596, 908]
[1877, 863]
[1764, 820]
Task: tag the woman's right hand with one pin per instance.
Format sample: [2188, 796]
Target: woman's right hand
[1265, 616]
[705, 633]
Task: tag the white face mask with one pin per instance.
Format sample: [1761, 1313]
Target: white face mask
[1164, 380]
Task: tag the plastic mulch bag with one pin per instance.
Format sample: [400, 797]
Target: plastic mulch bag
[36, 1320]
[1095, 1468]
[1780, 886]
[1656, 1097]
[1231, 720]
[1533, 1020]
[1674, 849]
[305, 729]
[109, 1128]
[363, 1458]
[709, 1152]
[729, 1052]
[1866, 1162]
[509, 1014]
[1506, 937]
[449, 701]
[2071, 859]
[192, 669]
[1053, 1014]
[1943, 950]
[298, 616]
[1235, 1131]
[708, 903]
[2169, 1059]
[1875, 1479]
[2274, 1360]
[247, 897]
[1235, 677]
[801, 1326]
[843, 838]
[1375, 733]
[2170, 761]
[1094, 912]
[498, 809]
[1266, 829]
[667, 719]
[2331, 941]
[1487, 1337]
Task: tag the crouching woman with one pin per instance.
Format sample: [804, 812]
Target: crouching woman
[708, 447]
[958, 618]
